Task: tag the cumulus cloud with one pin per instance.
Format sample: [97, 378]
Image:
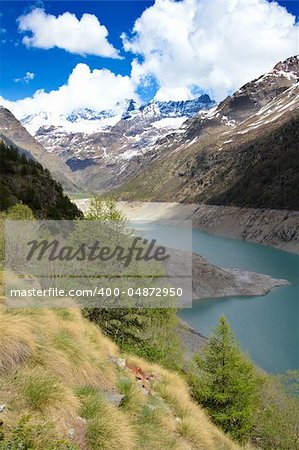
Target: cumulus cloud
[215, 45]
[26, 78]
[85, 88]
[185, 46]
[85, 36]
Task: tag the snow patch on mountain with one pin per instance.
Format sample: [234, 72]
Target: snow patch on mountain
[170, 122]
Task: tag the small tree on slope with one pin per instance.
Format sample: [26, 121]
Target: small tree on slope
[225, 383]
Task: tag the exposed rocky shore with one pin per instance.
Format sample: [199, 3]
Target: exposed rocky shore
[209, 281]
[275, 228]
[192, 340]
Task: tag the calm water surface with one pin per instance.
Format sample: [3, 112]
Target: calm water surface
[267, 327]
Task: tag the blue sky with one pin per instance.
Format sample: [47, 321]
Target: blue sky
[174, 48]
[16, 59]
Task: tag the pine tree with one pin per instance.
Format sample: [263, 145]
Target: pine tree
[225, 383]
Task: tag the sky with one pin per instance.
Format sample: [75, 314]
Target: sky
[62, 56]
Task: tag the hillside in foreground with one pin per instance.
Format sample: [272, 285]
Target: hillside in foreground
[63, 385]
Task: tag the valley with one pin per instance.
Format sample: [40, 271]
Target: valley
[149, 225]
[242, 152]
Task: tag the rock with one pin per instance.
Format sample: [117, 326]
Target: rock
[114, 398]
[120, 362]
[2, 408]
[71, 433]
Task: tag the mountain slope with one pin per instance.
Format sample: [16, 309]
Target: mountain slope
[214, 159]
[24, 180]
[269, 168]
[13, 133]
[63, 385]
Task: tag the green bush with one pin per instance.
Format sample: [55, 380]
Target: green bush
[276, 422]
[146, 332]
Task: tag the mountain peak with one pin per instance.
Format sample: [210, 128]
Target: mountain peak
[131, 107]
[288, 65]
[257, 93]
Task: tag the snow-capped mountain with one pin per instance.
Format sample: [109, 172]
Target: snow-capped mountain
[243, 152]
[104, 149]
[90, 121]
[111, 138]
[247, 100]
[84, 120]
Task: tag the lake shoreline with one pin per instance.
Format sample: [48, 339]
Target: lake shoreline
[274, 228]
[255, 318]
[208, 280]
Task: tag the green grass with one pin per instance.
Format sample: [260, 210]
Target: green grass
[65, 342]
[107, 428]
[39, 388]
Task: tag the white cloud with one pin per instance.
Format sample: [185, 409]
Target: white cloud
[216, 45]
[85, 88]
[84, 37]
[26, 78]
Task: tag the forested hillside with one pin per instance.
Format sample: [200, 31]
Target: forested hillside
[24, 180]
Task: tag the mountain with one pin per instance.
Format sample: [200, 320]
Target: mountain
[105, 148]
[24, 180]
[244, 152]
[12, 132]
[83, 120]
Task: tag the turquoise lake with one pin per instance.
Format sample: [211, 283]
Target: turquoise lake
[267, 327]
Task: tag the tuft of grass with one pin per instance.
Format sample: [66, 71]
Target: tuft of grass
[64, 314]
[64, 341]
[17, 342]
[134, 399]
[39, 388]
[31, 434]
[107, 427]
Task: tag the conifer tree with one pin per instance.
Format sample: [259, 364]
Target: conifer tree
[225, 382]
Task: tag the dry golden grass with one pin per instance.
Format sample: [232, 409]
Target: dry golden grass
[17, 342]
[192, 424]
[56, 368]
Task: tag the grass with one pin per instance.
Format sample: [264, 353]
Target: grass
[56, 369]
[39, 388]
[108, 428]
